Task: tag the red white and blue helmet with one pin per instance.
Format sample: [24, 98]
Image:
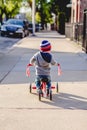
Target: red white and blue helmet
[45, 45]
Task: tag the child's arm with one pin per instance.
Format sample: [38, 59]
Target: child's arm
[53, 62]
[59, 67]
[32, 60]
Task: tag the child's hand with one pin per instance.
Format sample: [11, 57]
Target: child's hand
[59, 70]
[29, 64]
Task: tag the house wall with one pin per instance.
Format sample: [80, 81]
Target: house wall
[77, 11]
[83, 6]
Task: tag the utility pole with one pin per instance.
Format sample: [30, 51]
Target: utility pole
[33, 16]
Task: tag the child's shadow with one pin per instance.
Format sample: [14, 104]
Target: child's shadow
[67, 101]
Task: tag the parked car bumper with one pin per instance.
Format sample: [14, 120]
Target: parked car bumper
[15, 34]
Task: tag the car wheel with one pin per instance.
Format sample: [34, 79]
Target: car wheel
[2, 34]
[23, 35]
[28, 33]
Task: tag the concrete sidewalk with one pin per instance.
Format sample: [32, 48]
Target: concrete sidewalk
[67, 53]
[20, 110]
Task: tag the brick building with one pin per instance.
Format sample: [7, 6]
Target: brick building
[77, 10]
[76, 29]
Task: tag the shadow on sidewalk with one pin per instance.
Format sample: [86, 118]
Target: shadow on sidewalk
[67, 101]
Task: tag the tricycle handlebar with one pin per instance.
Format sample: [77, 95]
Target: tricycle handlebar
[28, 70]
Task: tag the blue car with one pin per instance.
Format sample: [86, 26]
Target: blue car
[15, 27]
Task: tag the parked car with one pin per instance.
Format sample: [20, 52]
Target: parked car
[0, 26]
[37, 27]
[15, 27]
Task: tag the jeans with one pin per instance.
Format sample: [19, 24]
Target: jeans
[38, 83]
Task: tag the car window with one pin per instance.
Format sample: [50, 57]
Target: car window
[16, 22]
[19, 23]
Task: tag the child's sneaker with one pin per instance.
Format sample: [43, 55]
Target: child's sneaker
[39, 90]
[49, 91]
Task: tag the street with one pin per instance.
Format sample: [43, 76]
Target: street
[7, 42]
[21, 110]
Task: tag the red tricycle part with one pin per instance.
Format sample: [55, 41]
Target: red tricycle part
[52, 87]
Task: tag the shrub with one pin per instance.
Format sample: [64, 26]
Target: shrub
[61, 21]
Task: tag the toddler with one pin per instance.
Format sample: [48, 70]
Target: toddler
[42, 61]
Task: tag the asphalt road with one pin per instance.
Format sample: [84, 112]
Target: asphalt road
[7, 42]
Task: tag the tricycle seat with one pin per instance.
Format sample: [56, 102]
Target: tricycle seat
[44, 80]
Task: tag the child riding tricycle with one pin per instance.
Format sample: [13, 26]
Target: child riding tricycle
[42, 61]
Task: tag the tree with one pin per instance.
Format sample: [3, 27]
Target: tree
[44, 9]
[2, 6]
[30, 3]
[61, 23]
[10, 8]
[61, 7]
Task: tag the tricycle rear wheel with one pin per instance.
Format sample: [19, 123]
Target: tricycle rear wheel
[39, 96]
[57, 88]
[30, 88]
[50, 94]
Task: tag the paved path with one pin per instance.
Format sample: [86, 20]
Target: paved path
[73, 61]
[20, 110]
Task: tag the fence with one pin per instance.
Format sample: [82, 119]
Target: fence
[84, 45]
[69, 30]
[74, 32]
[78, 32]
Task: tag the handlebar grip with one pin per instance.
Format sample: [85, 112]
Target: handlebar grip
[58, 64]
[29, 65]
[59, 70]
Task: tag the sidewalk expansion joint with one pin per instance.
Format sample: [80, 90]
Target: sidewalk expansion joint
[9, 71]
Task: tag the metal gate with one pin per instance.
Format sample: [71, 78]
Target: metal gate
[84, 45]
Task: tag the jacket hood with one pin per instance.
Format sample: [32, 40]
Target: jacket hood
[46, 56]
